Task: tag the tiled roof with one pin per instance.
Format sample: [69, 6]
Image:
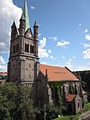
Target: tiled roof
[58, 73]
[70, 97]
[3, 73]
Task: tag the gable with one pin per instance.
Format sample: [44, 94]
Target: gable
[28, 33]
[58, 73]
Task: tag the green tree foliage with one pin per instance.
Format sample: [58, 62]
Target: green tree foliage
[85, 80]
[56, 90]
[49, 110]
[15, 102]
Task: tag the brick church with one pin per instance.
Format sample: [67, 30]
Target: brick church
[24, 67]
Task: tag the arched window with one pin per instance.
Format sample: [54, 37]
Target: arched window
[31, 48]
[26, 47]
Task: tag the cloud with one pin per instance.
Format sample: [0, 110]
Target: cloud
[8, 12]
[42, 43]
[86, 30]
[3, 68]
[49, 51]
[44, 63]
[86, 45]
[87, 37]
[74, 57]
[79, 24]
[63, 57]
[86, 54]
[52, 57]
[2, 61]
[32, 7]
[39, 34]
[53, 38]
[68, 64]
[42, 51]
[82, 68]
[63, 44]
[3, 65]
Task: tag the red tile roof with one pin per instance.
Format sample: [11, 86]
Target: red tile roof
[70, 97]
[3, 73]
[58, 73]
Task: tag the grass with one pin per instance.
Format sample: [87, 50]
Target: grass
[75, 117]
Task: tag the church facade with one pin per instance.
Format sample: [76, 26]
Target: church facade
[24, 67]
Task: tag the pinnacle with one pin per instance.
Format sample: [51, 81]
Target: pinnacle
[35, 24]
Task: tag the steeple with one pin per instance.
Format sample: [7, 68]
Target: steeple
[25, 15]
[35, 24]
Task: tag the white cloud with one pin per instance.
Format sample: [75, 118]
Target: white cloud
[39, 34]
[49, 51]
[70, 60]
[2, 61]
[86, 30]
[87, 37]
[74, 57]
[79, 24]
[44, 63]
[63, 57]
[3, 66]
[86, 45]
[68, 64]
[86, 54]
[32, 7]
[53, 38]
[42, 43]
[82, 68]
[63, 44]
[8, 12]
[42, 51]
[52, 57]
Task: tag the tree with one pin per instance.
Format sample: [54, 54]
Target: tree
[15, 102]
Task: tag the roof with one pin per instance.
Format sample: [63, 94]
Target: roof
[58, 73]
[26, 17]
[70, 97]
[3, 73]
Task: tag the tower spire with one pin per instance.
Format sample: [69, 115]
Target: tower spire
[26, 17]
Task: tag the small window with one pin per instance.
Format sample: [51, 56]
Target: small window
[29, 75]
[78, 104]
[26, 47]
[29, 65]
[31, 49]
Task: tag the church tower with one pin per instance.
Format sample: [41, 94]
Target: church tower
[23, 66]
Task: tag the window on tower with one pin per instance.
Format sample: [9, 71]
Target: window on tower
[26, 47]
[31, 48]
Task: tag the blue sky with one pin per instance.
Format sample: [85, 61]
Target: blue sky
[64, 30]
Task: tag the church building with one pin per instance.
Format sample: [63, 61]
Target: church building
[24, 67]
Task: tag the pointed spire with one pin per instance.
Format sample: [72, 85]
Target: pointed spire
[13, 24]
[35, 24]
[25, 16]
[22, 17]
